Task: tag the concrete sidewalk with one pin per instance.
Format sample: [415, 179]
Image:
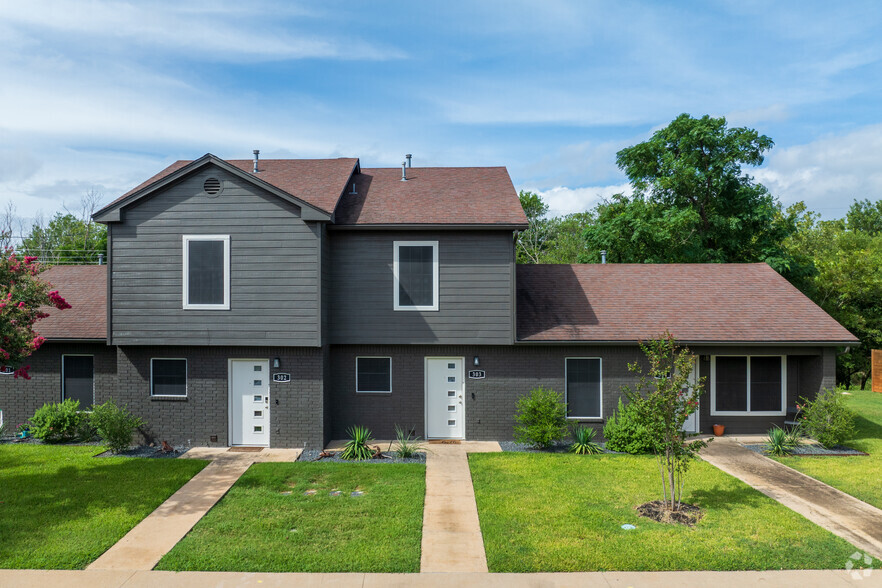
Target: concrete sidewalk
[143, 546]
[452, 540]
[145, 579]
[855, 521]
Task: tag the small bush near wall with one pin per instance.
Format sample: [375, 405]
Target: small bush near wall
[57, 422]
[541, 418]
[827, 419]
[115, 425]
[624, 433]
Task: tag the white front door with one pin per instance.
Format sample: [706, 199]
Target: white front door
[691, 424]
[249, 402]
[445, 406]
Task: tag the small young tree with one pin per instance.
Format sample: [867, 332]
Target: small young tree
[22, 293]
[663, 399]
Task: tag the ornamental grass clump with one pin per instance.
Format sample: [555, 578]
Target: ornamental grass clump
[115, 425]
[783, 442]
[541, 418]
[827, 419]
[583, 441]
[357, 448]
[408, 445]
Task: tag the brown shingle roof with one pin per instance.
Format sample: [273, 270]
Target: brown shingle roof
[318, 182]
[432, 195]
[85, 289]
[695, 302]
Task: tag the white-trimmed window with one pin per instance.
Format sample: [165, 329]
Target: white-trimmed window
[373, 375]
[415, 275]
[78, 379]
[206, 272]
[584, 389]
[168, 377]
[748, 385]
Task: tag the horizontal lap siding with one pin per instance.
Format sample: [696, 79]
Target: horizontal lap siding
[274, 268]
[475, 289]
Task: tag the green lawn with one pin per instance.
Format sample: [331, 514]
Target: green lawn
[60, 508]
[859, 476]
[257, 528]
[561, 513]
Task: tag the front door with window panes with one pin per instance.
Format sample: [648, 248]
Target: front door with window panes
[250, 402]
[445, 405]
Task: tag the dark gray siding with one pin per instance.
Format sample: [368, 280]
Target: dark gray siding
[20, 398]
[295, 415]
[274, 268]
[475, 289]
[512, 371]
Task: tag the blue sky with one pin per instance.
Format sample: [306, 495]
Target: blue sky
[100, 96]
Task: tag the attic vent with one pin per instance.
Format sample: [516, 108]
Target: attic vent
[212, 186]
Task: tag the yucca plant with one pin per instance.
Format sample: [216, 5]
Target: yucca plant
[357, 446]
[583, 441]
[783, 442]
[408, 445]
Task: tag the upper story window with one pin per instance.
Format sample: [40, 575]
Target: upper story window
[207, 272]
[415, 271]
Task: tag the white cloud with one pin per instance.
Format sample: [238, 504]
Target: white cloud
[562, 200]
[828, 173]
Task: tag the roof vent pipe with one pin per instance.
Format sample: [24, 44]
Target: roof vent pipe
[256, 155]
[408, 157]
[603, 256]
[403, 171]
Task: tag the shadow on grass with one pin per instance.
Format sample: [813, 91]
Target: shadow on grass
[726, 498]
[866, 429]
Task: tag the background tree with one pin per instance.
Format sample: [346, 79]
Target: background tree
[550, 240]
[22, 293]
[692, 202]
[68, 238]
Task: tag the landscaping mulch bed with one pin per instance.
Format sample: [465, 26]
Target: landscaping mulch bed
[556, 448]
[148, 452]
[688, 514]
[388, 457]
[812, 450]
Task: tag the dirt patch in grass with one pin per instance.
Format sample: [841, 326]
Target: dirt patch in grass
[688, 514]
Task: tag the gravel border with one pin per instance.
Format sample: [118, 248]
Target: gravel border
[556, 448]
[147, 452]
[811, 450]
[389, 457]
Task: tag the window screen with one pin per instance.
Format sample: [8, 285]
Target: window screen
[206, 272]
[168, 377]
[373, 374]
[583, 388]
[416, 275]
[731, 384]
[765, 384]
[79, 379]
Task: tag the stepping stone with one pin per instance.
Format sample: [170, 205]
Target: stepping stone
[334, 493]
[285, 493]
[310, 493]
[357, 493]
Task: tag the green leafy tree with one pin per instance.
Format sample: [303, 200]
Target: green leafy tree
[66, 239]
[22, 294]
[533, 242]
[692, 201]
[865, 217]
[550, 240]
[662, 400]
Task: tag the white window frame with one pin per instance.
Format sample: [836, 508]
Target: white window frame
[748, 412]
[186, 289]
[63, 395]
[435, 274]
[567, 385]
[186, 377]
[389, 391]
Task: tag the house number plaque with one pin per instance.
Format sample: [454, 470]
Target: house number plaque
[6, 370]
[476, 374]
[281, 378]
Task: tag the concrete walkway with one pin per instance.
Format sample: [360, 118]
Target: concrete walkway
[143, 546]
[144, 579]
[452, 540]
[855, 521]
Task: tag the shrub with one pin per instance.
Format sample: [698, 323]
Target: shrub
[827, 419]
[624, 433]
[58, 422]
[541, 417]
[783, 442]
[357, 446]
[583, 441]
[408, 445]
[115, 425]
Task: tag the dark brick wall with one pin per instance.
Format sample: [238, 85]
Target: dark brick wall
[295, 413]
[19, 398]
